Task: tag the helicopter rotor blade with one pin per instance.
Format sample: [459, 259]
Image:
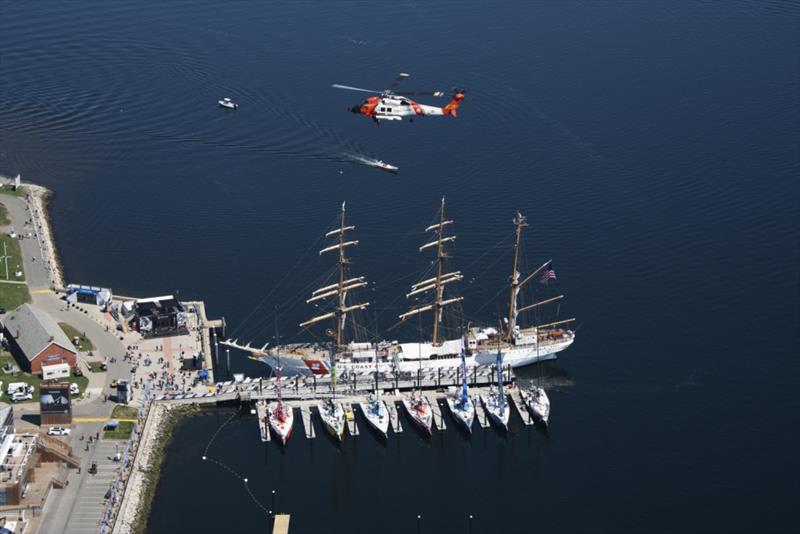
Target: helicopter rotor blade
[347, 87]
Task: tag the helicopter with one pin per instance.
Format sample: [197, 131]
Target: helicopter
[389, 105]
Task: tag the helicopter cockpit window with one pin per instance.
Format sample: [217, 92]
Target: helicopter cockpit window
[404, 103]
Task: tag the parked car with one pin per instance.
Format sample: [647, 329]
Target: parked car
[74, 390]
[17, 397]
[93, 468]
[77, 371]
[2, 310]
[58, 431]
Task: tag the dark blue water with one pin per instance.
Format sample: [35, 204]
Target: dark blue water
[653, 145]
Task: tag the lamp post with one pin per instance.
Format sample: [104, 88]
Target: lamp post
[419, 520]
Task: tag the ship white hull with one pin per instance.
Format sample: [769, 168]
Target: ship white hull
[517, 356]
[463, 415]
[377, 420]
[281, 428]
[333, 420]
[422, 418]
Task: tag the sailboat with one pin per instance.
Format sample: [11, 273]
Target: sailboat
[281, 417]
[376, 413]
[495, 402]
[538, 403]
[420, 411]
[332, 412]
[460, 404]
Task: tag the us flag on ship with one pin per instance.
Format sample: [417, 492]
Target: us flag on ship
[549, 274]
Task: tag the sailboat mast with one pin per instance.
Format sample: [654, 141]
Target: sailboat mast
[519, 222]
[340, 291]
[438, 289]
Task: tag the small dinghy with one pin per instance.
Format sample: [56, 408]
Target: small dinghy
[228, 103]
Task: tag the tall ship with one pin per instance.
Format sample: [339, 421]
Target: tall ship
[519, 345]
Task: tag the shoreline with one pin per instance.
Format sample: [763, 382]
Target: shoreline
[37, 201]
[132, 512]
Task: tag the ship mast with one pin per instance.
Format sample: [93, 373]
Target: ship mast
[438, 282]
[340, 288]
[519, 222]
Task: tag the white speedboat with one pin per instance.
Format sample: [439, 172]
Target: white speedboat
[228, 103]
[463, 410]
[420, 411]
[497, 408]
[377, 414]
[385, 166]
[281, 420]
[538, 403]
[332, 415]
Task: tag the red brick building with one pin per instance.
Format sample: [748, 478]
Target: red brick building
[35, 339]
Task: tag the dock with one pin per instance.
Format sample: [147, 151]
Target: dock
[281, 524]
[480, 412]
[394, 418]
[308, 423]
[516, 399]
[438, 420]
[352, 427]
[263, 426]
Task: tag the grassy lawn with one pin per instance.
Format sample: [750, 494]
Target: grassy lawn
[14, 258]
[13, 295]
[72, 332]
[124, 412]
[9, 190]
[95, 367]
[4, 220]
[123, 431]
[33, 380]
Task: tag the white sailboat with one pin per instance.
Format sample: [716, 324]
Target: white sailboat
[332, 415]
[495, 402]
[538, 403]
[377, 414]
[420, 411]
[281, 417]
[460, 404]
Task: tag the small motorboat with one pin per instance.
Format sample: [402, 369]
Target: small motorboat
[228, 103]
[380, 164]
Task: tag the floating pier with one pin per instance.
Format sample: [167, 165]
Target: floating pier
[394, 417]
[480, 412]
[352, 427]
[516, 399]
[438, 420]
[263, 426]
[308, 424]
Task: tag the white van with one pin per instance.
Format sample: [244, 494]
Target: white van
[17, 397]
